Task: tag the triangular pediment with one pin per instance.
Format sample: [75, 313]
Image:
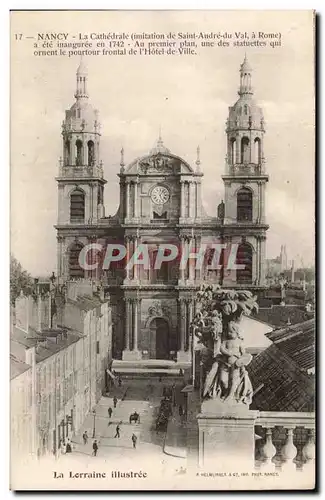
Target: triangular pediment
[159, 163]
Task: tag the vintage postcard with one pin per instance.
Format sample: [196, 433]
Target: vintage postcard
[162, 329]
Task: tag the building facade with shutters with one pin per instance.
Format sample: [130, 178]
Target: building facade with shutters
[58, 373]
[161, 203]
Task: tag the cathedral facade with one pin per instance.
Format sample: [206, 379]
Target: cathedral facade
[161, 204]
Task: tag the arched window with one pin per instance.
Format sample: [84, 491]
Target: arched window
[77, 206]
[67, 152]
[257, 150]
[244, 205]
[233, 151]
[244, 258]
[244, 150]
[75, 270]
[245, 107]
[91, 153]
[78, 152]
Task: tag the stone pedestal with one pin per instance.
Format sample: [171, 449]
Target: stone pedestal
[131, 355]
[226, 437]
[183, 356]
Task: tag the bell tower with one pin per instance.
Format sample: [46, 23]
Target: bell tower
[80, 181]
[245, 182]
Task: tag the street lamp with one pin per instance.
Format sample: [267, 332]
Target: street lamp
[94, 427]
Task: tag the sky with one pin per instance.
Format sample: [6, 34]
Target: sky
[187, 96]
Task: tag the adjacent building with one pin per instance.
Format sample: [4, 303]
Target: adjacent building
[60, 352]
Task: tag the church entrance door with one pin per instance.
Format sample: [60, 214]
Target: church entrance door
[159, 333]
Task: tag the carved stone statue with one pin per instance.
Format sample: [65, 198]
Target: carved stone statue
[228, 378]
[217, 328]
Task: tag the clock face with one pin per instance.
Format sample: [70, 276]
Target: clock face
[160, 195]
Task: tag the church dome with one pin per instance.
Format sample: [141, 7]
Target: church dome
[159, 148]
[245, 112]
[81, 114]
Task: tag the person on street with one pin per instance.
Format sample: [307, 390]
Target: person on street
[119, 381]
[115, 401]
[109, 411]
[68, 448]
[95, 448]
[85, 437]
[134, 440]
[180, 410]
[117, 434]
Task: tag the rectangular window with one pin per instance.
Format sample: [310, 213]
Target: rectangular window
[97, 346]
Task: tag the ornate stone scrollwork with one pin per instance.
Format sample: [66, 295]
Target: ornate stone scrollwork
[158, 309]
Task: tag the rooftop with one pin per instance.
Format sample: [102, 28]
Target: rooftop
[279, 383]
[279, 316]
[298, 342]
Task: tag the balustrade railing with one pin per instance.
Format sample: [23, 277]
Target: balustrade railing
[285, 441]
[81, 171]
[245, 169]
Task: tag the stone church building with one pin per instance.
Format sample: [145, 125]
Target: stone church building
[161, 203]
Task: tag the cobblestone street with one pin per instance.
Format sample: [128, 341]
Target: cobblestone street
[140, 395]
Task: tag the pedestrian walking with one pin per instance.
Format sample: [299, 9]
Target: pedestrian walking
[95, 448]
[109, 411]
[115, 401]
[180, 410]
[119, 381]
[68, 448]
[85, 437]
[117, 434]
[134, 440]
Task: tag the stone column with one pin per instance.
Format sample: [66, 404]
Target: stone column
[136, 306]
[127, 200]
[262, 218]
[191, 200]
[262, 260]
[257, 261]
[181, 318]
[60, 240]
[198, 199]
[135, 201]
[191, 262]
[182, 199]
[238, 159]
[197, 272]
[182, 270]
[131, 353]
[135, 267]
[183, 355]
[127, 323]
[127, 239]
